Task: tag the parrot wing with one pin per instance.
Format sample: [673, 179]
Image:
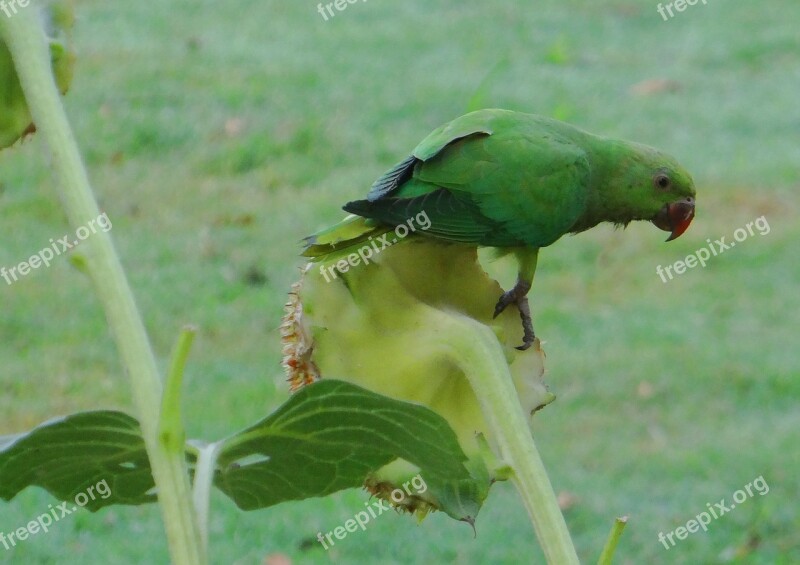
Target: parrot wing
[431, 146]
[492, 177]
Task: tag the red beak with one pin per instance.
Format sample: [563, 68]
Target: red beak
[675, 217]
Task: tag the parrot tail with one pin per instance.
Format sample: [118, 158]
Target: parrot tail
[350, 231]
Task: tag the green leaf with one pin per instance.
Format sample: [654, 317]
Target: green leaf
[330, 435]
[68, 455]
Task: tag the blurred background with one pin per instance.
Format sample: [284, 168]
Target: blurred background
[219, 134]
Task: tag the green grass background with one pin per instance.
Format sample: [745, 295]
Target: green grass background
[218, 134]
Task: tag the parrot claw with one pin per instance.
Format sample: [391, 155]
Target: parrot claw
[506, 299]
[519, 296]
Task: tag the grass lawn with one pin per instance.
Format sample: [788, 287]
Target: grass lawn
[219, 134]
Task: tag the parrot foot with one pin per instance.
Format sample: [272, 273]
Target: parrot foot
[519, 296]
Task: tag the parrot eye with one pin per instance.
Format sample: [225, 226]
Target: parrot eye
[662, 181]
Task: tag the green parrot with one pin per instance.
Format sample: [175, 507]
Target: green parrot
[518, 182]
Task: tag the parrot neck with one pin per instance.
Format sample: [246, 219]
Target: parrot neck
[613, 164]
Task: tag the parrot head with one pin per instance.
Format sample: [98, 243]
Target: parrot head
[677, 212]
[647, 184]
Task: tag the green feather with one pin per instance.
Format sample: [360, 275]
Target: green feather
[351, 230]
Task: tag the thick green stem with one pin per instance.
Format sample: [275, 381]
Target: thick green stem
[24, 36]
[479, 352]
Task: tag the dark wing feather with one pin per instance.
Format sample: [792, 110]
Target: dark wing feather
[450, 217]
[392, 179]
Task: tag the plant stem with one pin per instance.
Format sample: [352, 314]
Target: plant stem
[613, 538]
[203, 480]
[170, 424]
[25, 38]
[482, 357]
